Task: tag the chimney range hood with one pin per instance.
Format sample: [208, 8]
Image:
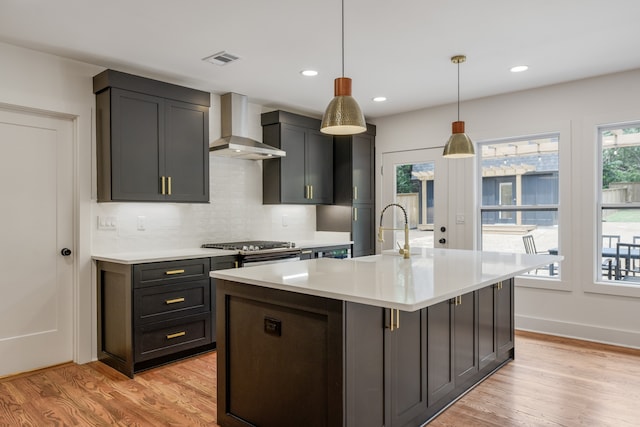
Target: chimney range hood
[234, 142]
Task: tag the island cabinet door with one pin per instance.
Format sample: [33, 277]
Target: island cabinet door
[406, 373]
[440, 374]
[504, 319]
[487, 325]
[465, 338]
[364, 365]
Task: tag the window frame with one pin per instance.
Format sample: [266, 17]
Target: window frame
[561, 130]
[599, 285]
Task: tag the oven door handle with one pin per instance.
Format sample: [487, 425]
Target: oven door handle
[271, 258]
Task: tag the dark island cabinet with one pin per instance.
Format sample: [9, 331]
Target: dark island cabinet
[305, 174]
[153, 313]
[152, 140]
[402, 368]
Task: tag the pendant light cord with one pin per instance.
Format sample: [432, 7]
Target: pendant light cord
[342, 38]
[458, 90]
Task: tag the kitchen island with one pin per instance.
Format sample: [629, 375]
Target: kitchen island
[370, 341]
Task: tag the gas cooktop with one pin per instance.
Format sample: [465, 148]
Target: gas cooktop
[250, 245]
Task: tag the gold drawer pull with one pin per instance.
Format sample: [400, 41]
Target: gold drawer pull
[170, 272]
[174, 301]
[306, 252]
[176, 335]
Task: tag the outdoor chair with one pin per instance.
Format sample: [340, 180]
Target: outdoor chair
[609, 264]
[626, 256]
[530, 248]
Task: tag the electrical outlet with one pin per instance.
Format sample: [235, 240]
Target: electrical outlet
[141, 223]
[285, 220]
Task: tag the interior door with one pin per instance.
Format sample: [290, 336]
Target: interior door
[36, 280]
[416, 180]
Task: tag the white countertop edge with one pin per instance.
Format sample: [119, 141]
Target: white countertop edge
[159, 256]
[236, 276]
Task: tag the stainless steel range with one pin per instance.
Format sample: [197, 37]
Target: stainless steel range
[259, 252]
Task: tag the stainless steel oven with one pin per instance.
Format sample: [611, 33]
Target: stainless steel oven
[260, 252]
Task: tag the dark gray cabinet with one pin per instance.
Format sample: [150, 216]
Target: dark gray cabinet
[305, 174]
[153, 313]
[391, 368]
[354, 160]
[495, 322]
[219, 263]
[431, 359]
[354, 192]
[152, 140]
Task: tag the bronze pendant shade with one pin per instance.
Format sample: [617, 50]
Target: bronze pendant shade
[343, 115]
[459, 144]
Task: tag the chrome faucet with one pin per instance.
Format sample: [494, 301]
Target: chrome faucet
[405, 251]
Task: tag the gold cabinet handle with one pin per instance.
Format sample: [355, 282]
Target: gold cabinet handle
[169, 182]
[306, 252]
[163, 185]
[355, 192]
[311, 192]
[171, 272]
[174, 301]
[176, 335]
[355, 214]
[236, 264]
[394, 324]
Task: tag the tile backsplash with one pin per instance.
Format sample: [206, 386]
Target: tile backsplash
[235, 212]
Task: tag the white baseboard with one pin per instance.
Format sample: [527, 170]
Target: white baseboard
[579, 331]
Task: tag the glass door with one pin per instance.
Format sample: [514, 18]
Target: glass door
[416, 181]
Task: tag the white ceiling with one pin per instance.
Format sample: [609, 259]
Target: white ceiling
[399, 49]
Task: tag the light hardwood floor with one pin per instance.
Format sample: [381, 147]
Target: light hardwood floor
[552, 382]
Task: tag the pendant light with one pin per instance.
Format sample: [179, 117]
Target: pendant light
[343, 115]
[459, 144]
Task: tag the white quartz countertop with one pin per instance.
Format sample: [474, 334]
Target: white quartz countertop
[430, 276]
[139, 257]
[160, 255]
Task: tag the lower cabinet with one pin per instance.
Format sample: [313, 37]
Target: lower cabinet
[153, 313]
[327, 362]
[429, 359]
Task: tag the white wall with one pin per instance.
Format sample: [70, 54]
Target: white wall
[575, 306]
[34, 80]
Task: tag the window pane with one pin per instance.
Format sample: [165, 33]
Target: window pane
[521, 173]
[620, 214]
[415, 193]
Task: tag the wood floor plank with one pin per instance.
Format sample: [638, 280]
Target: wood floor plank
[552, 382]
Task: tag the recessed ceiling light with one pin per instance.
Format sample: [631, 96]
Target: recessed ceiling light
[309, 73]
[519, 68]
[379, 99]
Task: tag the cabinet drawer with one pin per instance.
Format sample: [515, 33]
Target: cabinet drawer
[165, 302]
[157, 273]
[163, 338]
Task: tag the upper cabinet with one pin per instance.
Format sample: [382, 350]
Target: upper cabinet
[353, 162]
[305, 174]
[152, 140]
[354, 192]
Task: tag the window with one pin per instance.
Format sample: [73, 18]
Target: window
[519, 197]
[619, 210]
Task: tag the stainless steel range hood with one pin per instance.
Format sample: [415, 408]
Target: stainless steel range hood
[234, 141]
